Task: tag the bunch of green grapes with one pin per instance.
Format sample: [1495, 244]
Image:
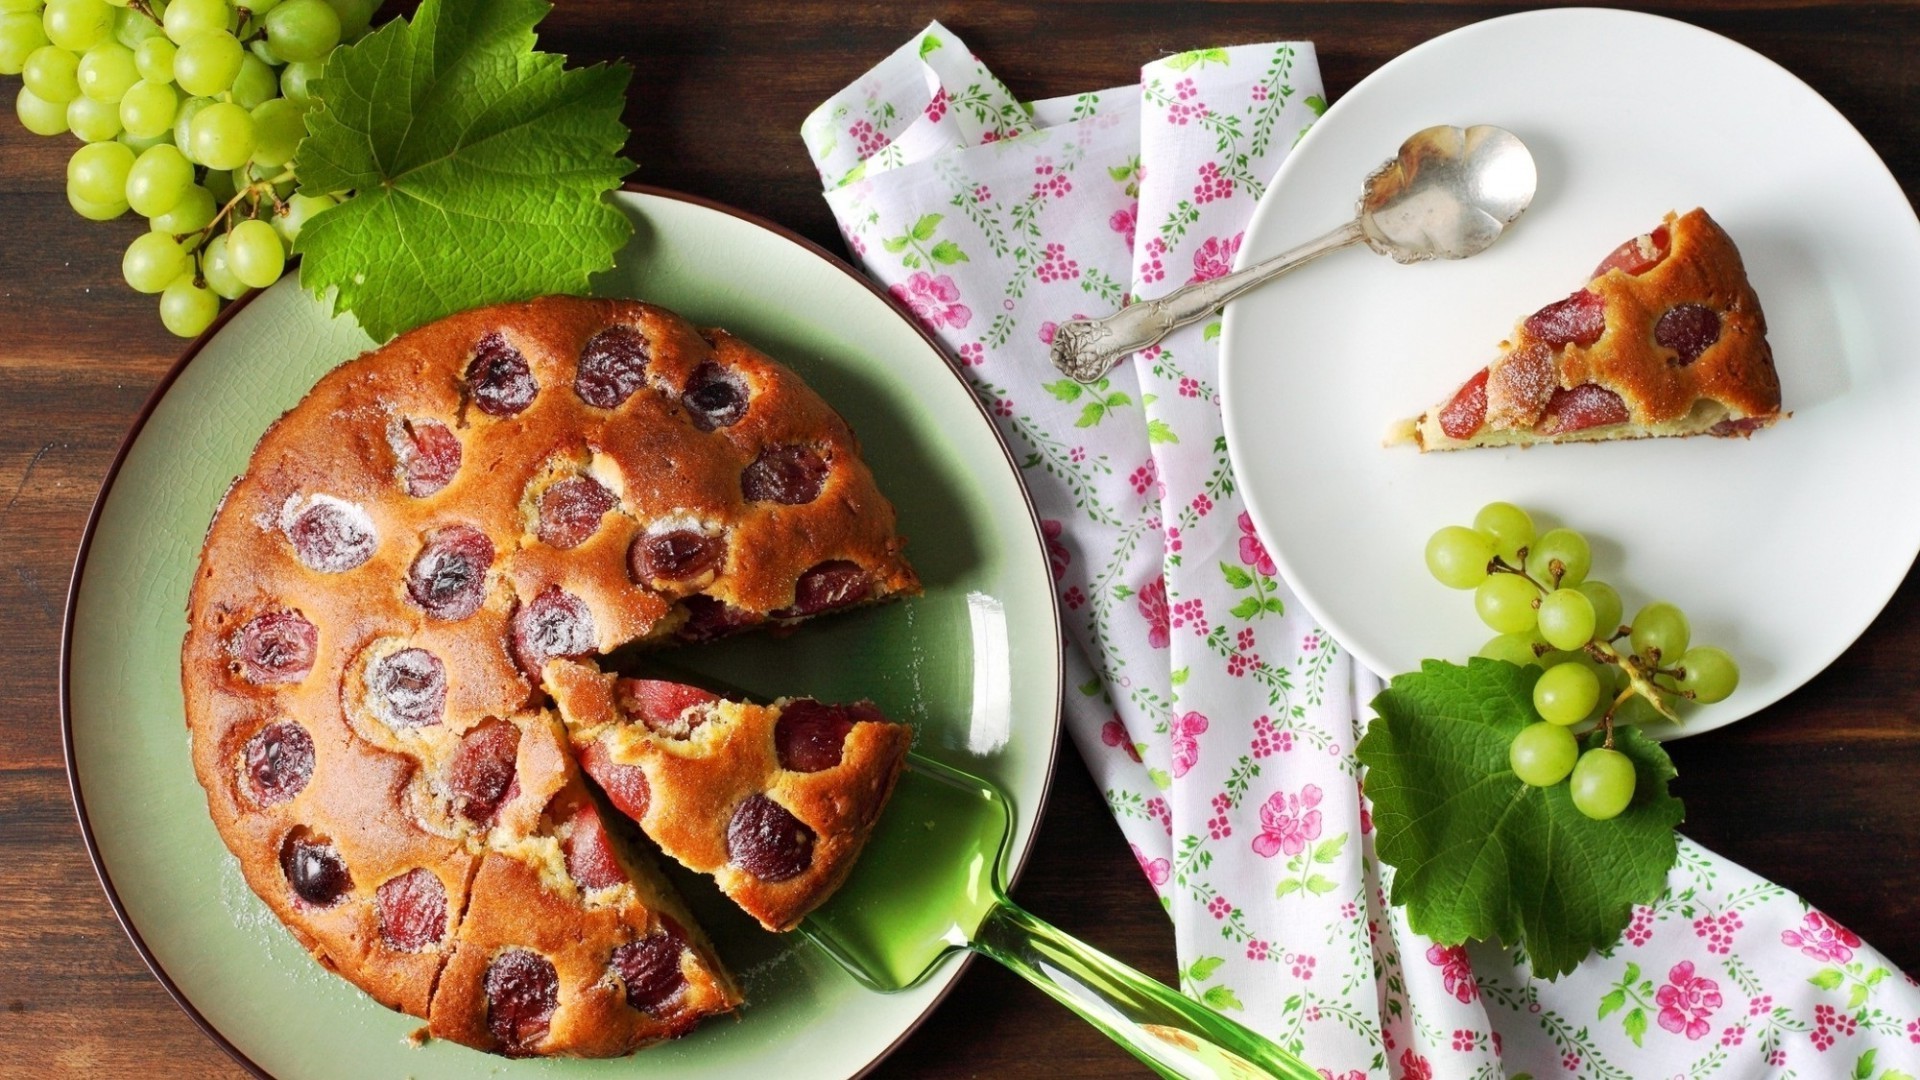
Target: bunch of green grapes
[191, 112]
[1534, 592]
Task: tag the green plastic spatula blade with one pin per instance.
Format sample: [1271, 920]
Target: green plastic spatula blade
[933, 882]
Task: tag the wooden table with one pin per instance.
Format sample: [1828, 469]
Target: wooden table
[1816, 793]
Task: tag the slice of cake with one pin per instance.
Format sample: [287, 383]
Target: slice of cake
[1667, 338]
[774, 801]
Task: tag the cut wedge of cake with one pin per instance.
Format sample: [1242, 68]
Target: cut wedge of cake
[773, 801]
[1667, 338]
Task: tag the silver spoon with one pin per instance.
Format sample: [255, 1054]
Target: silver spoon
[1448, 194]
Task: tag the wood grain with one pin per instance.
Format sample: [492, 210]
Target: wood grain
[1814, 793]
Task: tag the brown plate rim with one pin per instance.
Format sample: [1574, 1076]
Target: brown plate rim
[193, 350]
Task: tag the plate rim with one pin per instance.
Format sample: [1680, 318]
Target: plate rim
[193, 349]
[1663, 23]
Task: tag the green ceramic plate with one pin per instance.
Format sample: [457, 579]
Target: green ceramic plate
[974, 663]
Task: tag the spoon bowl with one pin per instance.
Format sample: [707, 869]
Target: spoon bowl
[1448, 193]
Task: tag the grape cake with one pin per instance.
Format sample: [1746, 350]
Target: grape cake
[1666, 339]
[416, 556]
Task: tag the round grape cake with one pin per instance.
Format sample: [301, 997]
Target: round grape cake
[384, 595]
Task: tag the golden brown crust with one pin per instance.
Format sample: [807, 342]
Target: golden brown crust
[698, 780]
[1729, 388]
[382, 795]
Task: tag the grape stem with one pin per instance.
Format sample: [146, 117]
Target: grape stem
[1640, 675]
[252, 190]
[146, 9]
[1499, 565]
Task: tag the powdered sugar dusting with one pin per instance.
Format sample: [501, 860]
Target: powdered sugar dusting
[1519, 387]
[328, 534]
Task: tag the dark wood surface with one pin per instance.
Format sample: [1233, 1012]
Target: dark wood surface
[1816, 793]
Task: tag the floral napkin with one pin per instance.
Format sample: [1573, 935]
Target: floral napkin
[1217, 718]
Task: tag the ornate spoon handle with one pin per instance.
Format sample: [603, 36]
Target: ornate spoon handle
[1086, 349]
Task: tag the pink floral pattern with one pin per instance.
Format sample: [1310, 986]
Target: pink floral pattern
[1688, 1001]
[1456, 971]
[1157, 870]
[1152, 602]
[933, 300]
[1058, 557]
[1820, 938]
[1253, 552]
[1114, 733]
[1187, 730]
[1288, 823]
[1124, 222]
[1214, 258]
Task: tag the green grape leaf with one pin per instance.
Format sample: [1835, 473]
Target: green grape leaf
[479, 167]
[1480, 855]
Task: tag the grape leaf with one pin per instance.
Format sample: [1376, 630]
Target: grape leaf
[1477, 853]
[479, 167]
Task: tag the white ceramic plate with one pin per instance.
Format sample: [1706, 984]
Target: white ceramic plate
[1782, 548]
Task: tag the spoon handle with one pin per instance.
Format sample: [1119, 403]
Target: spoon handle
[1175, 1035]
[1086, 349]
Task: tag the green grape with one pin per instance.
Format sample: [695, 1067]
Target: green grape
[152, 261]
[214, 267]
[1566, 547]
[1637, 711]
[1505, 602]
[1603, 782]
[183, 124]
[254, 253]
[221, 136]
[93, 121]
[1566, 693]
[148, 109]
[95, 211]
[38, 115]
[77, 25]
[259, 8]
[1457, 557]
[1513, 648]
[159, 179]
[186, 19]
[154, 58]
[130, 27]
[186, 308]
[220, 183]
[1566, 618]
[29, 7]
[1607, 610]
[1543, 754]
[207, 63]
[139, 144]
[355, 15]
[106, 71]
[1508, 527]
[297, 78]
[262, 49]
[303, 29]
[1660, 632]
[256, 84]
[51, 72]
[1710, 673]
[193, 212]
[278, 127]
[20, 34]
[98, 172]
